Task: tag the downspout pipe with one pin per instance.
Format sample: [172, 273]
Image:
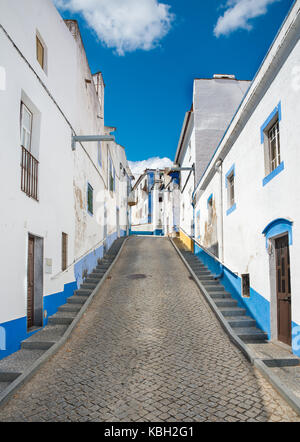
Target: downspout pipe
[219, 169]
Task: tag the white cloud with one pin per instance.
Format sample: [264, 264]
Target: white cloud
[238, 13]
[124, 25]
[138, 167]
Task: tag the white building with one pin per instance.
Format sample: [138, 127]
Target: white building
[214, 104]
[61, 207]
[171, 203]
[246, 200]
[147, 211]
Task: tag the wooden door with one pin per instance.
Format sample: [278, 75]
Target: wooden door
[64, 251]
[30, 283]
[283, 289]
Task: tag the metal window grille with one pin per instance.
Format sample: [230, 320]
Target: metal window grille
[29, 174]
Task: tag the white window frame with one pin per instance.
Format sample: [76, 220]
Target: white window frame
[25, 130]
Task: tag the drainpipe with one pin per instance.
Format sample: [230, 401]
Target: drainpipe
[219, 169]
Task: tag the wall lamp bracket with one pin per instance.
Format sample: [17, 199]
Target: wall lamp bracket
[90, 138]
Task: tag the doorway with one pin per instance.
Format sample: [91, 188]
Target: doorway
[35, 273]
[30, 283]
[283, 289]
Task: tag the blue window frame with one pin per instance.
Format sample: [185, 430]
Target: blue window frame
[278, 227]
[275, 113]
[230, 186]
[270, 137]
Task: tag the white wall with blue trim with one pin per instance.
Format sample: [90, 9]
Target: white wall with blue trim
[267, 203]
[61, 102]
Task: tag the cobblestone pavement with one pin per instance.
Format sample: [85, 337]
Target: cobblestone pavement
[148, 349]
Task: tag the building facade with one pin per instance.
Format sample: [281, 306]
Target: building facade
[147, 210]
[63, 207]
[245, 201]
[214, 104]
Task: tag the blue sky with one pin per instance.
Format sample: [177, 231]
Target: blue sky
[149, 54]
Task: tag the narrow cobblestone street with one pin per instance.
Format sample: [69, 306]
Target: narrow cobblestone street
[148, 349]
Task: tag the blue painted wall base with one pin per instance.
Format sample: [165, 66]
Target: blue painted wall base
[256, 305]
[12, 333]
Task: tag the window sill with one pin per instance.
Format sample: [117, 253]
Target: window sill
[232, 209]
[273, 174]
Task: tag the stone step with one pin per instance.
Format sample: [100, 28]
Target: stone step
[215, 288]
[98, 272]
[45, 338]
[210, 283]
[62, 318]
[283, 362]
[220, 295]
[77, 300]
[69, 308]
[232, 311]
[92, 280]
[251, 334]
[241, 321]
[203, 273]
[83, 292]
[88, 285]
[198, 266]
[8, 376]
[94, 276]
[4, 385]
[102, 267]
[225, 302]
[206, 278]
[20, 361]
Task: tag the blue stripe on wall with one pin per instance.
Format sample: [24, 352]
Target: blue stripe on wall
[12, 333]
[273, 174]
[53, 302]
[256, 306]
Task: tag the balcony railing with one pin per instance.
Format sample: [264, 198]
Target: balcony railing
[29, 174]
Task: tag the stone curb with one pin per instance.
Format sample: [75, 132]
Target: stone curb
[28, 374]
[274, 380]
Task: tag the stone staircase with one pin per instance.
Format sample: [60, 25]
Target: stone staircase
[275, 360]
[244, 326]
[34, 347]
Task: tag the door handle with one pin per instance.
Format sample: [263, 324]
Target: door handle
[288, 299]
